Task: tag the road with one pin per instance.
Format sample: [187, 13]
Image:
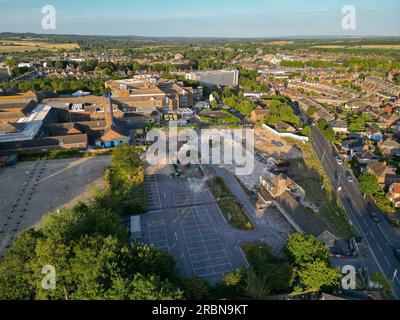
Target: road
[379, 237]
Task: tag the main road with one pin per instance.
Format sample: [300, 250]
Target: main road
[380, 237]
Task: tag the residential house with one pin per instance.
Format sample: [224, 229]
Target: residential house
[339, 127]
[275, 185]
[366, 157]
[258, 114]
[394, 194]
[382, 172]
[353, 147]
[389, 147]
[282, 126]
[388, 118]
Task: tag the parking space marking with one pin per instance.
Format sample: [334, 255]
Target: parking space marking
[207, 256]
[158, 234]
[152, 193]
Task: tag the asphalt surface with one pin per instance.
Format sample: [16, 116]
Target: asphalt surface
[187, 223]
[32, 189]
[380, 237]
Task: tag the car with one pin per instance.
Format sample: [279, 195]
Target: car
[373, 214]
[349, 177]
[339, 161]
[396, 253]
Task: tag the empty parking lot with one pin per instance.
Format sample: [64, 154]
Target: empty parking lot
[186, 222]
[34, 188]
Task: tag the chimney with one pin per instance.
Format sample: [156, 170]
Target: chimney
[108, 110]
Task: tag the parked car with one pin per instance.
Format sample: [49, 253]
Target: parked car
[12, 160]
[373, 214]
[339, 161]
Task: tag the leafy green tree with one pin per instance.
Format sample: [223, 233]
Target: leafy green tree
[318, 276]
[369, 184]
[195, 288]
[257, 286]
[307, 131]
[152, 288]
[69, 224]
[322, 124]
[304, 249]
[59, 64]
[381, 280]
[16, 278]
[311, 110]
[329, 133]
[357, 125]
[126, 161]
[226, 93]
[280, 111]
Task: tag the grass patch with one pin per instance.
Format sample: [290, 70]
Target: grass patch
[310, 175]
[249, 193]
[220, 116]
[229, 206]
[63, 154]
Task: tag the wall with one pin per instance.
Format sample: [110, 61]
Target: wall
[285, 135]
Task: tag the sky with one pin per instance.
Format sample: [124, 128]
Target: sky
[204, 18]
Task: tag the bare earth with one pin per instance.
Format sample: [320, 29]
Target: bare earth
[263, 144]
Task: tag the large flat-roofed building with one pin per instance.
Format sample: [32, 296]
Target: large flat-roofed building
[150, 94]
[216, 78]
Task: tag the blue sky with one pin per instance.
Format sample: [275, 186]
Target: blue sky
[216, 18]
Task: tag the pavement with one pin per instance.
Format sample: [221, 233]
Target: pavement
[190, 226]
[378, 236]
[32, 189]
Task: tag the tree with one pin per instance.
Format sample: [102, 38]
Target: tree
[280, 111]
[126, 162]
[357, 124]
[311, 110]
[70, 224]
[318, 276]
[304, 249]
[59, 64]
[322, 124]
[152, 288]
[382, 281]
[369, 184]
[256, 286]
[226, 93]
[329, 133]
[16, 278]
[195, 288]
[307, 131]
